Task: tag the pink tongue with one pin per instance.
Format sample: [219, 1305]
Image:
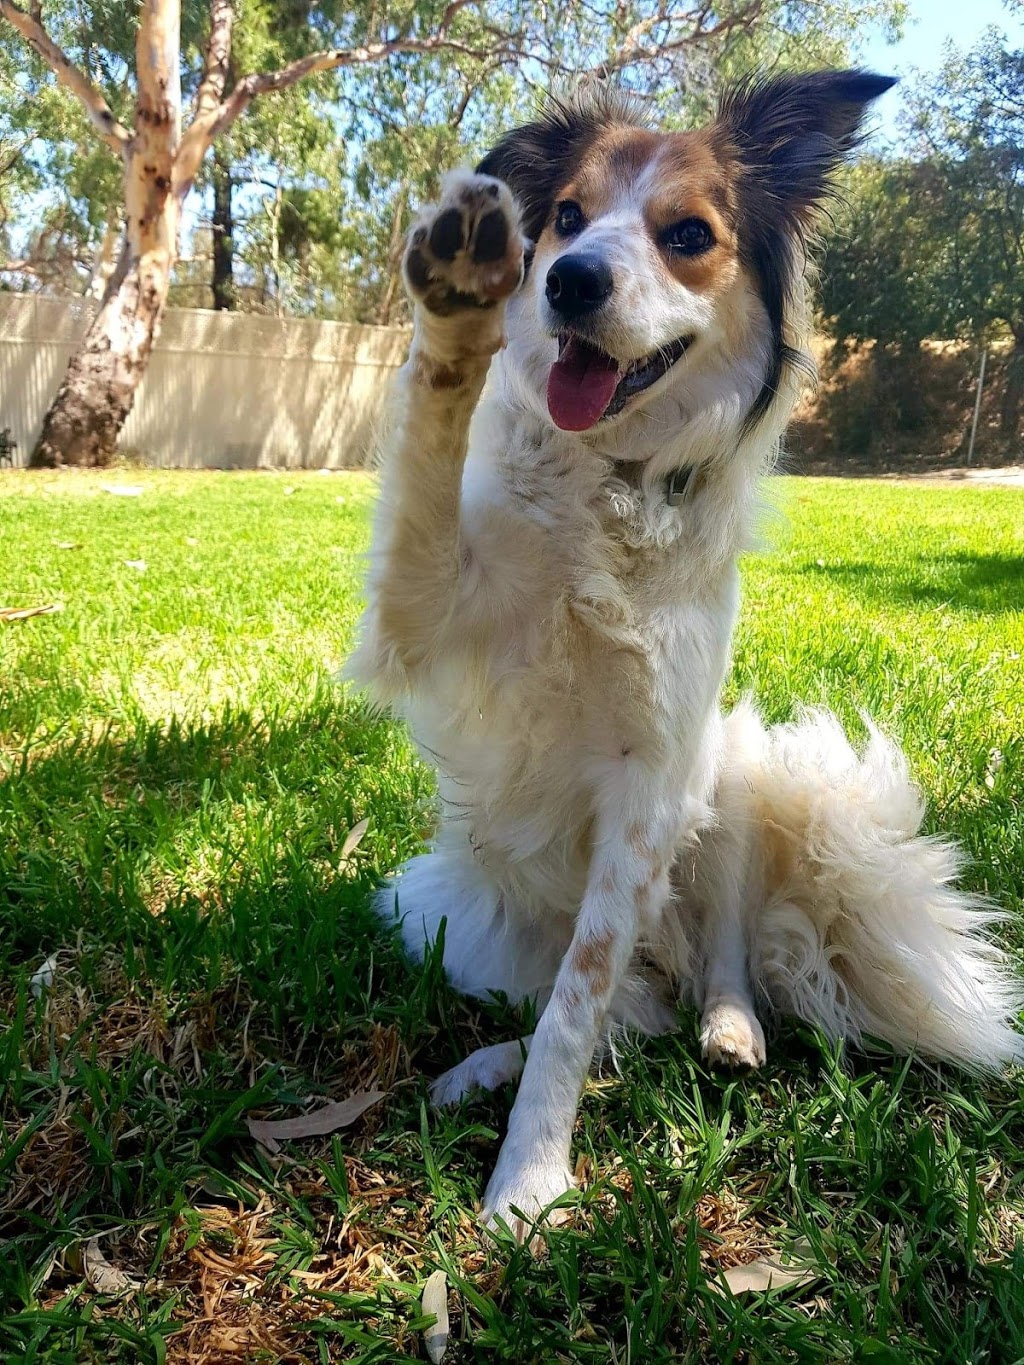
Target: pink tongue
[580, 386]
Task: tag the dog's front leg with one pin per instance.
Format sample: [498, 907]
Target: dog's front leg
[463, 259]
[636, 833]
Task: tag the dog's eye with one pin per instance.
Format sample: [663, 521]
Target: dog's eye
[569, 219]
[690, 237]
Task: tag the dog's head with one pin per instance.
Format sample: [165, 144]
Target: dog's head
[655, 251]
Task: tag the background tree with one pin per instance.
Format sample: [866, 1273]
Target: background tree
[886, 267]
[969, 122]
[160, 160]
[59, 187]
[931, 243]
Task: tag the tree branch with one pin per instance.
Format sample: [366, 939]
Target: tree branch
[101, 116]
[634, 50]
[210, 123]
[216, 58]
[9, 163]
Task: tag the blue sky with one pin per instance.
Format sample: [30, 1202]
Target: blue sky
[932, 22]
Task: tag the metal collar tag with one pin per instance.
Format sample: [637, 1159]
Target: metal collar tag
[676, 485]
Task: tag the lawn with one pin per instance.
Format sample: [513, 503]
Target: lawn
[179, 771]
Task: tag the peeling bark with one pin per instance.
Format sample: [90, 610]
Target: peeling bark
[93, 402]
[90, 408]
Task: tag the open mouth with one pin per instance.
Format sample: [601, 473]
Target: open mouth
[586, 385]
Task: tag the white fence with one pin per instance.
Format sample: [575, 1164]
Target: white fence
[222, 389]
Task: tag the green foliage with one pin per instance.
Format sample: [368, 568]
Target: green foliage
[372, 140]
[970, 120]
[884, 267]
[178, 775]
[58, 184]
[932, 244]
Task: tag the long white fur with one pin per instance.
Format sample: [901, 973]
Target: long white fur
[855, 921]
[557, 636]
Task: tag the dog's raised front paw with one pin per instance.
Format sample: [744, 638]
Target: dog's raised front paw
[465, 253]
[530, 1187]
[730, 1035]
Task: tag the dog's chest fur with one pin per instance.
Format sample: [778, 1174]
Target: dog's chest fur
[589, 602]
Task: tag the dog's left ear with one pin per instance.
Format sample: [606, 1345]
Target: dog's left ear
[788, 134]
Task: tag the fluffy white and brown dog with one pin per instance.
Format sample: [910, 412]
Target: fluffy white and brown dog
[608, 321]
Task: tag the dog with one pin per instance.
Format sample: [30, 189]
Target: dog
[609, 323]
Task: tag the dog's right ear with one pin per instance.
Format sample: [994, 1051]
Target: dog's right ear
[536, 160]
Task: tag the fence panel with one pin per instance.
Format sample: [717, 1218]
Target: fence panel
[222, 390]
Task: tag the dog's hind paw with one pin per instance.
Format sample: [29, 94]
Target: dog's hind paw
[465, 253]
[485, 1069]
[730, 1035]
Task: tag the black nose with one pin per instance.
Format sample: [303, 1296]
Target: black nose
[578, 283]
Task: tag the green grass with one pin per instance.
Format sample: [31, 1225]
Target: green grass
[178, 772]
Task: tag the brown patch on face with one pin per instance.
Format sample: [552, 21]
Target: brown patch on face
[617, 156]
[682, 176]
[591, 957]
[694, 182]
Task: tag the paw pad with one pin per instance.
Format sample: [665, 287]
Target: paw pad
[466, 253]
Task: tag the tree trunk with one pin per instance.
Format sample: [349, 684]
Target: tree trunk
[96, 395]
[92, 404]
[1013, 394]
[223, 230]
[275, 248]
[394, 256]
[104, 262]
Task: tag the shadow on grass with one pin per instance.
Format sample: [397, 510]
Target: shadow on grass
[971, 584]
[206, 859]
[212, 954]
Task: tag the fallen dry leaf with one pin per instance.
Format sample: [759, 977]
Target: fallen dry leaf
[23, 613]
[352, 841]
[772, 1272]
[327, 1119]
[139, 564]
[101, 1275]
[68, 544]
[42, 978]
[124, 490]
[435, 1303]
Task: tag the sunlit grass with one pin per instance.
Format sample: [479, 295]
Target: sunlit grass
[178, 773]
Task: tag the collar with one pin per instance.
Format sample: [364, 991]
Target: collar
[677, 484]
[674, 486]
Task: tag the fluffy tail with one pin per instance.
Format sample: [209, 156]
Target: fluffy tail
[860, 928]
